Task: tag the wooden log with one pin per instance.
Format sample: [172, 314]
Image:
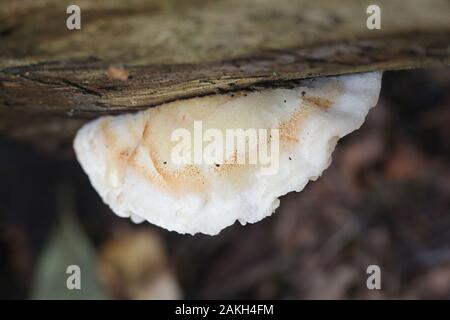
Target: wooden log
[52, 79]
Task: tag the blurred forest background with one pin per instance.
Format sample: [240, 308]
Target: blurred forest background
[384, 200]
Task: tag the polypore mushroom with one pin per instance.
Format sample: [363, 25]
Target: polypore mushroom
[139, 163]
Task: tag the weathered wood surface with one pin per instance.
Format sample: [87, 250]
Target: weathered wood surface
[53, 79]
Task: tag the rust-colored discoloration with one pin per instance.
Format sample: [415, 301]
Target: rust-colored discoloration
[319, 102]
[124, 154]
[189, 179]
[229, 165]
[136, 164]
[289, 129]
[234, 173]
[108, 135]
[177, 181]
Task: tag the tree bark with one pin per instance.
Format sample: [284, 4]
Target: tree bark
[52, 79]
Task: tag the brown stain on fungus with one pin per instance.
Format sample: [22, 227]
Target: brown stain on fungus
[319, 102]
[187, 179]
[107, 134]
[229, 165]
[233, 173]
[290, 128]
[190, 178]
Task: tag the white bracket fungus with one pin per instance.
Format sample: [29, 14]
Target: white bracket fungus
[130, 158]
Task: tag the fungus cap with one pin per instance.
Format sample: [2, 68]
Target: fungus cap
[130, 158]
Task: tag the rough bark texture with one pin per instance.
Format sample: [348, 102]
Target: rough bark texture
[53, 79]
